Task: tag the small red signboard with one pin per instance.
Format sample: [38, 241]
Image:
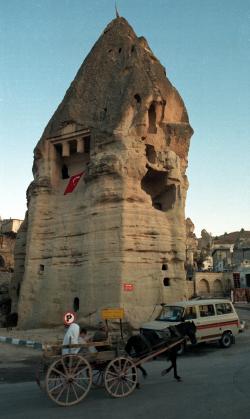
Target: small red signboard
[69, 318]
[128, 287]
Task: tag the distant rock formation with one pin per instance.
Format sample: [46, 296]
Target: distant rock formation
[232, 237]
[8, 231]
[191, 246]
[118, 239]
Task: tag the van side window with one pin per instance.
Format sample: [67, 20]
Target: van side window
[223, 308]
[190, 313]
[206, 310]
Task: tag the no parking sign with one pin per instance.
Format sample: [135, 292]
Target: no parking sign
[69, 318]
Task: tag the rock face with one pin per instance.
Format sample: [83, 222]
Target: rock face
[118, 240]
[8, 230]
[191, 243]
[191, 251]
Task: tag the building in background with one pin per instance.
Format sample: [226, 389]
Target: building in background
[222, 257]
[219, 264]
[8, 233]
[241, 262]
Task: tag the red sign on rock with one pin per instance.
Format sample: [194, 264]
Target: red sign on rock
[128, 287]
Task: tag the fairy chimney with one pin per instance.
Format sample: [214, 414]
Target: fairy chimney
[105, 225]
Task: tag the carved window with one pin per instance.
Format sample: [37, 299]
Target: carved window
[166, 282]
[164, 267]
[152, 119]
[41, 269]
[76, 304]
[154, 184]
[72, 147]
[2, 262]
[58, 148]
[87, 145]
[137, 98]
[65, 173]
[150, 153]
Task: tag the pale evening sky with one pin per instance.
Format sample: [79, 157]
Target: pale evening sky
[205, 47]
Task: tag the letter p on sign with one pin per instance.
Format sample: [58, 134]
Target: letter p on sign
[69, 318]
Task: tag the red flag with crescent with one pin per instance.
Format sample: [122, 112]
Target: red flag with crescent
[73, 182]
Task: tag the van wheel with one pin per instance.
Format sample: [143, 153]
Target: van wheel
[226, 340]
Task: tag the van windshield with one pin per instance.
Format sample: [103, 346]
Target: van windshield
[171, 314]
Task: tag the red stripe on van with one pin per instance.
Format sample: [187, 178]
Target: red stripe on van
[210, 336]
[220, 324]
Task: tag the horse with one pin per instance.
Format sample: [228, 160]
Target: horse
[185, 329]
[141, 345]
[138, 346]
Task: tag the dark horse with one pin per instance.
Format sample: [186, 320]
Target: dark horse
[137, 347]
[150, 341]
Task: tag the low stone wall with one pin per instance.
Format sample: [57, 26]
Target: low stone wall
[213, 284]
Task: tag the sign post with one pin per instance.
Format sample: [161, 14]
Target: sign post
[113, 314]
[69, 318]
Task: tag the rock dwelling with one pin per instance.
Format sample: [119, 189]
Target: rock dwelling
[105, 225]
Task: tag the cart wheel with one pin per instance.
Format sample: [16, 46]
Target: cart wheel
[120, 377]
[68, 380]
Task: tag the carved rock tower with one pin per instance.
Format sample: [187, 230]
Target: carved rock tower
[119, 238]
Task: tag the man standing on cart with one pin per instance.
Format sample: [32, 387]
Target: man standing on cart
[74, 335]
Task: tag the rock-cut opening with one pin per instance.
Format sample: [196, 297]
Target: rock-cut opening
[76, 304]
[65, 172]
[152, 129]
[150, 153]
[2, 262]
[163, 196]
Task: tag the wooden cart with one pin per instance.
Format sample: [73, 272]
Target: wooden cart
[67, 379]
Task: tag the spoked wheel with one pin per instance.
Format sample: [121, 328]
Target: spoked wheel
[98, 377]
[68, 380]
[120, 377]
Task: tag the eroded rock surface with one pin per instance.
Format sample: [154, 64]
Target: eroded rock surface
[123, 124]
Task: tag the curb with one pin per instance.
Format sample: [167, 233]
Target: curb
[22, 342]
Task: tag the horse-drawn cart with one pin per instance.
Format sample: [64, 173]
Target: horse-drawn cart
[67, 379]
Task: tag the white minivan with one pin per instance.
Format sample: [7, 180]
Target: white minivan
[215, 319]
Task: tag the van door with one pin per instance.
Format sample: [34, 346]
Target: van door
[227, 317]
[207, 323]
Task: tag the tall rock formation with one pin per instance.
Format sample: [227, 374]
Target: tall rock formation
[119, 238]
[191, 244]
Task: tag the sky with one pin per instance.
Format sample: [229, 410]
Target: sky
[205, 47]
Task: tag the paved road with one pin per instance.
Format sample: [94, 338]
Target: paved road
[215, 384]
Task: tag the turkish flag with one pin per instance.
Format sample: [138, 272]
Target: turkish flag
[73, 182]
